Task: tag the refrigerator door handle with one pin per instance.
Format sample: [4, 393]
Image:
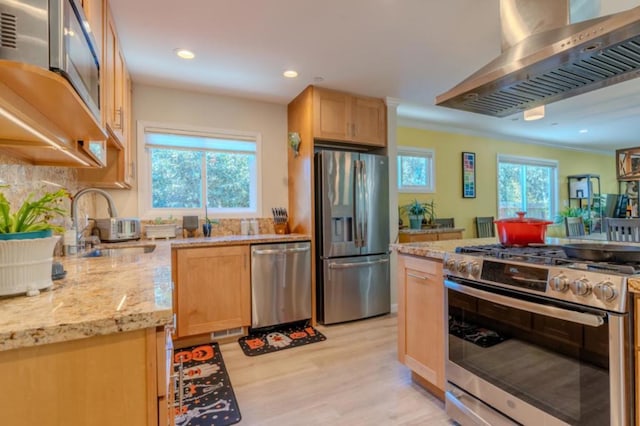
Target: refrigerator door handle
[365, 202]
[356, 205]
[355, 264]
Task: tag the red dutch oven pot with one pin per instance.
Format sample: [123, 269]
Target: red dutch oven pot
[521, 231]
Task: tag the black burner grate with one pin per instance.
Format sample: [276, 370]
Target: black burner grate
[547, 255]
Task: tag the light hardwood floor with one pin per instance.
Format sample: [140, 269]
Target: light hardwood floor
[351, 379]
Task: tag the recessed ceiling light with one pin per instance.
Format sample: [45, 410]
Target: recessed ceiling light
[185, 54]
[583, 130]
[290, 73]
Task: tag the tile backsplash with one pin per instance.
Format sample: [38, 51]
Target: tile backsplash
[23, 179]
[223, 227]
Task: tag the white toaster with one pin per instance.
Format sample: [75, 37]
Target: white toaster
[117, 229]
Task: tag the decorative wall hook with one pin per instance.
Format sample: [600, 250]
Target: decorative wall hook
[294, 142]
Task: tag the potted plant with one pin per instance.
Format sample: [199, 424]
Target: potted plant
[585, 213]
[27, 243]
[161, 228]
[417, 211]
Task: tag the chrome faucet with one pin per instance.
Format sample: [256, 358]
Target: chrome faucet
[113, 212]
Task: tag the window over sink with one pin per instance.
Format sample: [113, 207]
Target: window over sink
[180, 164]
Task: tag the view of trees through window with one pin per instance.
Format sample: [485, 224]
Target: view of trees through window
[526, 186]
[177, 176]
[415, 170]
[188, 169]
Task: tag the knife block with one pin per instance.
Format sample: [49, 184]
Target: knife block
[281, 228]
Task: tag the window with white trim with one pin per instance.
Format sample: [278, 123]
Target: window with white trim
[180, 164]
[416, 170]
[529, 185]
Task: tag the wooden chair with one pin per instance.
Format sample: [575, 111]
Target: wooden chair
[447, 222]
[485, 227]
[623, 229]
[574, 226]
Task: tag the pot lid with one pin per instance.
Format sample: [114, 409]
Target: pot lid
[522, 219]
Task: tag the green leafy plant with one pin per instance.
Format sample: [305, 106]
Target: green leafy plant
[32, 215]
[587, 215]
[160, 221]
[419, 208]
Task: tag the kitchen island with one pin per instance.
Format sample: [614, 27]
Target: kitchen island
[94, 348]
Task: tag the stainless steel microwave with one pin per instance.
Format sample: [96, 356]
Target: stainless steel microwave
[53, 34]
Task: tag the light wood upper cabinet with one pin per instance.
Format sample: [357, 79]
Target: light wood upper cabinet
[212, 289]
[349, 118]
[116, 113]
[115, 82]
[94, 11]
[421, 322]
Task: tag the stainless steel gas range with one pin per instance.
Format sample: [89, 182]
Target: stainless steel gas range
[537, 338]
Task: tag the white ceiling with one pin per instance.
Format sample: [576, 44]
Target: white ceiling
[410, 50]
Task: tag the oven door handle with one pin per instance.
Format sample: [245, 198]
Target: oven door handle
[552, 311]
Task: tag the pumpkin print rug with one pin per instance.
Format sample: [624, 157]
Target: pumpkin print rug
[264, 341]
[207, 395]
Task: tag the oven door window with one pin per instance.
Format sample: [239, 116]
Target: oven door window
[555, 365]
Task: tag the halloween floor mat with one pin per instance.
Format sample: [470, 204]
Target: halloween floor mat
[260, 342]
[204, 396]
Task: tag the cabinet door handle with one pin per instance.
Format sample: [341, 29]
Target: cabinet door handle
[421, 277]
[180, 378]
[117, 119]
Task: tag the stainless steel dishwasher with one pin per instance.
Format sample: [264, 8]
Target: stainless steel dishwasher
[280, 283]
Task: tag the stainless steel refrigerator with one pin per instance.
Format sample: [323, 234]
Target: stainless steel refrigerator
[352, 235]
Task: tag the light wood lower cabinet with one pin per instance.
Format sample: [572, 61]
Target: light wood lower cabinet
[212, 289]
[99, 381]
[421, 322]
[409, 237]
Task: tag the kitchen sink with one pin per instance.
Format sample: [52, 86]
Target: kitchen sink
[120, 251]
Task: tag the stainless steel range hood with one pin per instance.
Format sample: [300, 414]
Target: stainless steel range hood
[551, 65]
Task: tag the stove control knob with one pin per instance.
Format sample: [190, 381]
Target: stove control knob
[473, 268]
[450, 264]
[462, 267]
[560, 283]
[580, 287]
[605, 291]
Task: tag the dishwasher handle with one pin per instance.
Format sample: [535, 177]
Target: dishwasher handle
[281, 251]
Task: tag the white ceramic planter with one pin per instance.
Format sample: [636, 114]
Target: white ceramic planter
[25, 265]
[165, 230]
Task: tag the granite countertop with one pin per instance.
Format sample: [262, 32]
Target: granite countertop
[437, 249]
[429, 230]
[104, 295]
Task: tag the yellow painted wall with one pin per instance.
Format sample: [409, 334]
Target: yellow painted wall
[448, 148]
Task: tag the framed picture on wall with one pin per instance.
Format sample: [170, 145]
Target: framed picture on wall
[468, 175]
[628, 163]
